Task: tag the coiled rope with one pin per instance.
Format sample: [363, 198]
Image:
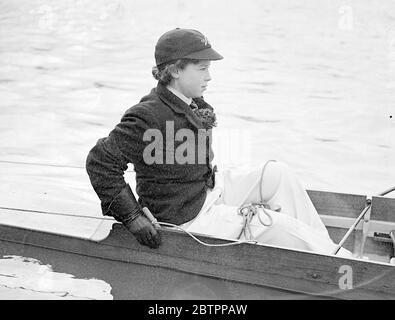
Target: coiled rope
[248, 211]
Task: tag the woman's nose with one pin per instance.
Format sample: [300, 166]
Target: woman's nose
[208, 76]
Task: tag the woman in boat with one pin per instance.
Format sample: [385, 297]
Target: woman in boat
[167, 137]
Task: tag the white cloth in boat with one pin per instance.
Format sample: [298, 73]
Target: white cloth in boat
[296, 226]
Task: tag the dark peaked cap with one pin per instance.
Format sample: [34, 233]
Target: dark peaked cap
[184, 43]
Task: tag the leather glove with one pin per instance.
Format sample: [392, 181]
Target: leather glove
[125, 208]
[144, 231]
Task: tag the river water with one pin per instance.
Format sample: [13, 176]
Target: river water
[310, 83]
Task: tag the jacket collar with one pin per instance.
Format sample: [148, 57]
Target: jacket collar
[177, 93]
[179, 106]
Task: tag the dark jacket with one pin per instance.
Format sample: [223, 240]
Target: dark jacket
[175, 192]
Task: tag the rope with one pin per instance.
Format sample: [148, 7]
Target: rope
[205, 243]
[248, 211]
[155, 222]
[110, 218]
[57, 213]
[43, 164]
[49, 165]
[260, 182]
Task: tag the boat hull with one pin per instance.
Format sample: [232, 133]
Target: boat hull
[183, 269]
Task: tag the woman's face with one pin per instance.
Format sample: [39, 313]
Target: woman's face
[193, 79]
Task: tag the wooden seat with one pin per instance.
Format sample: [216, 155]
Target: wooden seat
[337, 204]
[383, 209]
[338, 211]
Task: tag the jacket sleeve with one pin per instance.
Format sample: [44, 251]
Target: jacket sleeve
[108, 159]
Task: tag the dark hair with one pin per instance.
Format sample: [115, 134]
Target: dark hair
[162, 73]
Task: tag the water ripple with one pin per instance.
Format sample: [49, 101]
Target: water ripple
[252, 119]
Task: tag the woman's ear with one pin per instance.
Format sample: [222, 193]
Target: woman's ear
[174, 71]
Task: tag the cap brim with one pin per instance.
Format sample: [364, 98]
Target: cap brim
[206, 54]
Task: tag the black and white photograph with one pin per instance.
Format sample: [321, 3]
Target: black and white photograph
[207, 151]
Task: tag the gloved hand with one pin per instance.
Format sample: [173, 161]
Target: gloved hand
[144, 231]
[125, 209]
